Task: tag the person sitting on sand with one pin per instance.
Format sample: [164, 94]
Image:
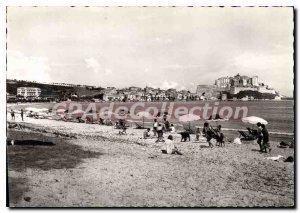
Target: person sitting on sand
[108, 122]
[169, 147]
[89, 120]
[101, 121]
[123, 130]
[207, 132]
[147, 133]
[30, 114]
[172, 128]
[116, 126]
[80, 120]
[14, 125]
[160, 133]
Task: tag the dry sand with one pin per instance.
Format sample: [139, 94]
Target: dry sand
[100, 168]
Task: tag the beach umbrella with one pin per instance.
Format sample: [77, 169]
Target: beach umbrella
[216, 118]
[254, 120]
[144, 114]
[77, 111]
[59, 111]
[31, 109]
[189, 118]
[42, 110]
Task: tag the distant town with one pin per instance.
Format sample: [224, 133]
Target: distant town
[238, 87]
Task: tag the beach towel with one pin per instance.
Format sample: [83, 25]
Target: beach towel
[237, 141]
[275, 158]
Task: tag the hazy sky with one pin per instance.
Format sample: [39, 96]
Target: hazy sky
[164, 47]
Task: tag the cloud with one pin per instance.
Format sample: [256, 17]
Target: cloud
[182, 88]
[152, 85]
[181, 67]
[107, 71]
[24, 67]
[93, 64]
[96, 67]
[163, 40]
[168, 85]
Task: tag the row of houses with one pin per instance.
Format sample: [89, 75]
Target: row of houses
[114, 94]
[147, 94]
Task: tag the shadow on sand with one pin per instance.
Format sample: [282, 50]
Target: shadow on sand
[30, 143]
[41, 152]
[44, 152]
[203, 146]
[255, 150]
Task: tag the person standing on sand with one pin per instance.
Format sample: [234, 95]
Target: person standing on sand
[208, 134]
[266, 142]
[166, 126]
[12, 113]
[155, 125]
[259, 135]
[22, 114]
[219, 136]
[169, 147]
[197, 133]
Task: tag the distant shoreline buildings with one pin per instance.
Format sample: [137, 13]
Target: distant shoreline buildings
[224, 88]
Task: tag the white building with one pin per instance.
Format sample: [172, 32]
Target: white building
[29, 92]
[254, 80]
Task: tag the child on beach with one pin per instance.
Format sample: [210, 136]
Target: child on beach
[147, 133]
[172, 128]
[169, 147]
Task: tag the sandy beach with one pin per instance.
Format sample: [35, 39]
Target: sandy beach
[92, 166]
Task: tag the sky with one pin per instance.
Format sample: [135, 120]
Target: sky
[165, 47]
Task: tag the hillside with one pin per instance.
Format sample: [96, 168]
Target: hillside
[51, 90]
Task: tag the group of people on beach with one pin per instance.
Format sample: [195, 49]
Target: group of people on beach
[159, 129]
[13, 117]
